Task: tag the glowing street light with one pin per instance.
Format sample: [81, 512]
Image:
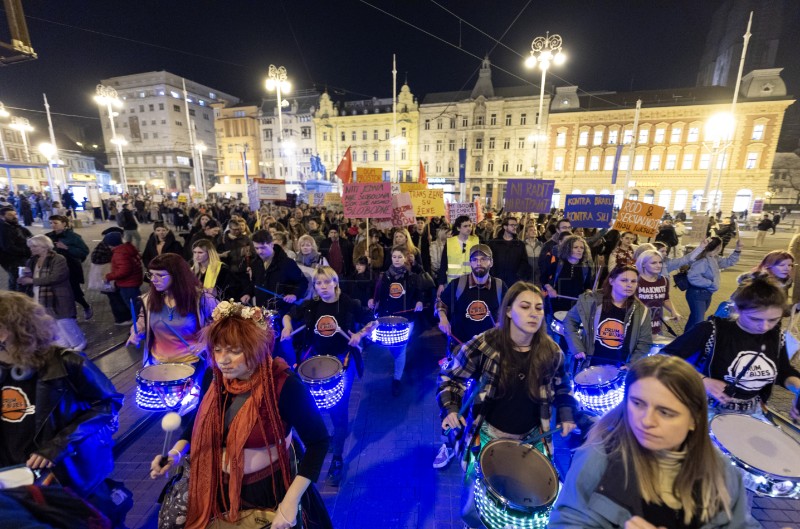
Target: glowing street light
[48, 150]
[107, 96]
[201, 148]
[277, 81]
[718, 130]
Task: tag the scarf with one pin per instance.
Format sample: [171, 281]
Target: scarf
[206, 462]
[212, 273]
[309, 260]
[396, 274]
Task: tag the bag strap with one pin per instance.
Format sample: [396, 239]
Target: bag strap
[461, 286]
[498, 287]
[708, 350]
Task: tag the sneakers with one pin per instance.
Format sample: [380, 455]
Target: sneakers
[444, 456]
[335, 472]
[396, 387]
[88, 313]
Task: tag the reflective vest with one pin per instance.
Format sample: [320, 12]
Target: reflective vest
[458, 256]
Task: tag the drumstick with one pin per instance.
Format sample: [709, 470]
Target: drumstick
[134, 317]
[295, 302]
[408, 310]
[340, 331]
[541, 436]
[297, 330]
[566, 297]
[171, 328]
[453, 336]
[467, 403]
[169, 423]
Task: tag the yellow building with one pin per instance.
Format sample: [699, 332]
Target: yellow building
[671, 157]
[238, 146]
[368, 127]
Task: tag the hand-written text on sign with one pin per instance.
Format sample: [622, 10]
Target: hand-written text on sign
[428, 202]
[456, 209]
[372, 201]
[402, 210]
[369, 175]
[529, 196]
[589, 211]
[640, 218]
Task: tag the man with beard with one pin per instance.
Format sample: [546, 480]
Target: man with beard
[14, 251]
[466, 308]
[511, 264]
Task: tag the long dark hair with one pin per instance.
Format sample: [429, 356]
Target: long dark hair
[544, 358]
[712, 245]
[606, 289]
[185, 288]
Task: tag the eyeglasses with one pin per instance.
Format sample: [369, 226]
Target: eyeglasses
[160, 277]
[481, 260]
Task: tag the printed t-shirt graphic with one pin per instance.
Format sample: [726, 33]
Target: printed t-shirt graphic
[396, 290]
[611, 333]
[762, 372]
[16, 404]
[477, 310]
[326, 326]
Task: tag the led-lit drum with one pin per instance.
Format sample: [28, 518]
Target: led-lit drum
[164, 386]
[391, 331]
[516, 486]
[600, 388]
[324, 376]
[767, 457]
[659, 342]
[557, 325]
[273, 317]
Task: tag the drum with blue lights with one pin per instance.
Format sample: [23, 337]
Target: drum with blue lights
[600, 388]
[163, 387]
[391, 331]
[324, 376]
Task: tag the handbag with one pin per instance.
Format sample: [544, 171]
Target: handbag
[174, 499]
[682, 279]
[97, 278]
[248, 519]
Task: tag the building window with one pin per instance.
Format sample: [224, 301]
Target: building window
[523, 118]
[558, 164]
[491, 144]
[508, 120]
[155, 135]
[427, 124]
[583, 138]
[426, 147]
[344, 138]
[192, 112]
[672, 162]
[705, 160]
[521, 143]
[675, 136]
[364, 135]
[623, 162]
[479, 121]
[659, 136]
[758, 132]
[451, 145]
[178, 123]
[561, 139]
[504, 167]
[438, 145]
[353, 135]
[680, 200]
[580, 163]
[627, 137]
[613, 135]
[643, 135]
[507, 143]
[402, 154]
[638, 162]
[594, 163]
[355, 156]
[655, 162]
[324, 136]
[452, 123]
[375, 134]
[598, 137]
[490, 166]
[752, 160]
[386, 155]
[450, 167]
[478, 165]
[479, 143]
[694, 135]
[608, 163]
[493, 119]
[465, 121]
[386, 134]
[176, 108]
[688, 162]
[375, 155]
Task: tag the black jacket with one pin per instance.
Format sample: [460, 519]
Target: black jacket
[510, 261]
[170, 246]
[127, 221]
[282, 276]
[14, 249]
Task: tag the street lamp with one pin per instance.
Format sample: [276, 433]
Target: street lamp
[544, 52]
[201, 148]
[277, 81]
[718, 129]
[105, 95]
[48, 150]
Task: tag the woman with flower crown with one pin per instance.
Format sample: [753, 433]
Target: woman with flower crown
[242, 456]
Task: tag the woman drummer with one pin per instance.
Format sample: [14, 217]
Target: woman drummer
[521, 377]
[653, 288]
[650, 463]
[743, 356]
[330, 319]
[616, 325]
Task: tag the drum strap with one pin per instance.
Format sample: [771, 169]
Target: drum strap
[708, 350]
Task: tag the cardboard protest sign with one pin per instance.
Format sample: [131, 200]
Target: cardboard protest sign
[369, 175]
[589, 211]
[529, 196]
[316, 199]
[640, 218]
[183, 198]
[333, 199]
[699, 227]
[372, 201]
[456, 209]
[428, 202]
[402, 210]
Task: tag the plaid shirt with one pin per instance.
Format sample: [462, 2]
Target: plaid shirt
[479, 359]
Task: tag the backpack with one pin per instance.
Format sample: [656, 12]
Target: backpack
[462, 286]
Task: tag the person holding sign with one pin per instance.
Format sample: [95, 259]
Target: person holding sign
[455, 261]
[616, 325]
[704, 278]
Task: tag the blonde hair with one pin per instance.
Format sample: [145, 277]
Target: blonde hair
[328, 273]
[41, 240]
[30, 329]
[308, 238]
[213, 256]
[408, 244]
[644, 259]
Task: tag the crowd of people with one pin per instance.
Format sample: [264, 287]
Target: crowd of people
[527, 304]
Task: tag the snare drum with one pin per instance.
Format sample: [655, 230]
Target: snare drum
[600, 388]
[659, 342]
[324, 376]
[516, 485]
[557, 325]
[164, 386]
[391, 331]
[766, 456]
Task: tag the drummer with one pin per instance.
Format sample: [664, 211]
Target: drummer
[521, 378]
[653, 289]
[650, 461]
[398, 293]
[467, 307]
[616, 325]
[329, 317]
[741, 357]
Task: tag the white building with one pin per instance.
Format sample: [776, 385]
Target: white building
[153, 120]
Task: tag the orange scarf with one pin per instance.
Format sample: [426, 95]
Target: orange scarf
[206, 447]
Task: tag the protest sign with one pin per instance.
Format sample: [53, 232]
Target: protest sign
[372, 201]
[640, 218]
[369, 175]
[699, 227]
[758, 206]
[529, 196]
[183, 198]
[158, 199]
[456, 209]
[333, 199]
[268, 188]
[589, 211]
[428, 202]
[316, 199]
[402, 210]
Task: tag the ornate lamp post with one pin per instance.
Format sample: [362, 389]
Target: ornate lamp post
[106, 95]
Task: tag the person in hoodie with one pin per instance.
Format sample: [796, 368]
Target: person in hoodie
[511, 256]
[161, 241]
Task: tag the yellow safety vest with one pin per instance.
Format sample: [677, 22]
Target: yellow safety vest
[458, 256]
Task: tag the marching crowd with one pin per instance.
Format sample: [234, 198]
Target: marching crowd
[530, 307]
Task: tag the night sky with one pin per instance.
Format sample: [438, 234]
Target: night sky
[347, 45]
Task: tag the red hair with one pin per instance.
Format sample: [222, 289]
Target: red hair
[256, 342]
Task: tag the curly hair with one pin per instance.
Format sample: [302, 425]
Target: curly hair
[30, 329]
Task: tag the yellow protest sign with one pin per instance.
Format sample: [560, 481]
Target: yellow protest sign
[369, 175]
[333, 199]
[428, 202]
[407, 187]
[640, 218]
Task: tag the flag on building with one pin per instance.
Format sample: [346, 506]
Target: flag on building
[462, 166]
[345, 168]
[616, 165]
[423, 178]
[244, 162]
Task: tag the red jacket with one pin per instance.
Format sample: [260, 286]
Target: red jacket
[126, 266]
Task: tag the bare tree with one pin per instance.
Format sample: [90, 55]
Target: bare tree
[786, 173]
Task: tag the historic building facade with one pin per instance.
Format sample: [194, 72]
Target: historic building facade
[238, 140]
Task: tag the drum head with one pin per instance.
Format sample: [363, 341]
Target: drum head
[392, 320]
[758, 444]
[596, 375]
[166, 372]
[560, 315]
[661, 341]
[520, 474]
[319, 368]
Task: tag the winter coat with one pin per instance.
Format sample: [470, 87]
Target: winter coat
[510, 261]
[126, 266]
[55, 292]
[170, 246]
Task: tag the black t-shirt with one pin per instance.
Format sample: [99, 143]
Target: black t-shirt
[397, 294]
[609, 341]
[515, 412]
[18, 420]
[475, 311]
[321, 320]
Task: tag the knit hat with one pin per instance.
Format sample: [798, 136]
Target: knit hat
[113, 239]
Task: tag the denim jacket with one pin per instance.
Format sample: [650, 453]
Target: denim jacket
[704, 273]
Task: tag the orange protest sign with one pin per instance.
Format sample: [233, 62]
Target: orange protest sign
[369, 175]
[640, 218]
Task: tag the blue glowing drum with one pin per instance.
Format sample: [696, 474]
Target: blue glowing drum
[516, 486]
[557, 325]
[391, 331]
[659, 342]
[600, 388]
[766, 456]
[324, 376]
[164, 386]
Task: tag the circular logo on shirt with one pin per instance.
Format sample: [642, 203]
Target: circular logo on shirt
[761, 372]
[477, 310]
[396, 290]
[611, 333]
[326, 326]
[16, 405]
